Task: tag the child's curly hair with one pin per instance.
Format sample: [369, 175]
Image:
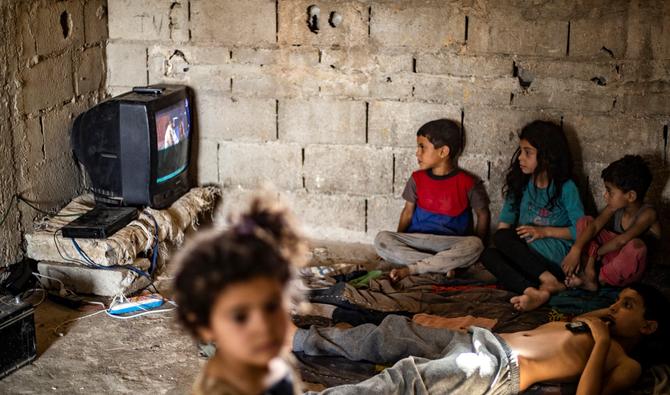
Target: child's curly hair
[263, 242]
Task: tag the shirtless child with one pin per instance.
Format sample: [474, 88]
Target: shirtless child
[481, 362]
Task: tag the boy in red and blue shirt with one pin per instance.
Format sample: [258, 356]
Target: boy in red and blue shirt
[435, 232]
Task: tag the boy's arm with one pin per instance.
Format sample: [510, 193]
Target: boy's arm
[572, 259]
[591, 380]
[622, 377]
[483, 223]
[643, 222]
[406, 216]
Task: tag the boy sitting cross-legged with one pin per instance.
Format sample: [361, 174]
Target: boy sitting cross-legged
[435, 229]
[621, 234]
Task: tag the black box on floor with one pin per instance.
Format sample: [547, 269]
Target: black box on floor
[17, 336]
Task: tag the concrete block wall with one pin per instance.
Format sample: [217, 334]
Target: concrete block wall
[330, 117]
[52, 70]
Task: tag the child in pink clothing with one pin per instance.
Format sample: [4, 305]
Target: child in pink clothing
[620, 236]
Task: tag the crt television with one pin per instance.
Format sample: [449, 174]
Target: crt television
[135, 147]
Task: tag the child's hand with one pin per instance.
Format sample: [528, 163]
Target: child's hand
[571, 262]
[599, 328]
[530, 233]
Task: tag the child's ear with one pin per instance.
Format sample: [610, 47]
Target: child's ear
[631, 196]
[444, 151]
[649, 327]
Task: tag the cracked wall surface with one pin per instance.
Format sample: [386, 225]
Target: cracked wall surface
[53, 69]
[330, 117]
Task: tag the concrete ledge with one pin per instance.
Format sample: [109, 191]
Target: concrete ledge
[85, 280]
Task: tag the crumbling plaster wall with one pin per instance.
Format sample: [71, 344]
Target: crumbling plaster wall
[330, 117]
[52, 69]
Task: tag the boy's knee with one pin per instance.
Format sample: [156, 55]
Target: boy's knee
[635, 246]
[382, 239]
[475, 244]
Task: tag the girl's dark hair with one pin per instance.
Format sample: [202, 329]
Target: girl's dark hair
[553, 156]
[263, 242]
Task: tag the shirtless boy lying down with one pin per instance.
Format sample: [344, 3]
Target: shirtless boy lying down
[442, 361]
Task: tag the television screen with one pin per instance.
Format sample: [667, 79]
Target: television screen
[172, 132]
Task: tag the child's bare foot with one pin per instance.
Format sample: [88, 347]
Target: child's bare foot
[549, 283]
[398, 274]
[531, 299]
[584, 280]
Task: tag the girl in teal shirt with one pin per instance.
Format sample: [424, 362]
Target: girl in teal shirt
[539, 217]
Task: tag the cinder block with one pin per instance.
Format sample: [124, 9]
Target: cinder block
[48, 83]
[146, 20]
[350, 59]
[118, 90]
[346, 85]
[179, 18]
[273, 81]
[368, 170]
[24, 26]
[448, 63]
[30, 147]
[465, 91]
[405, 164]
[573, 95]
[84, 280]
[645, 70]
[56, 126]
[606, 71]
[422, 24]
[293, 29]
[235, 200]
[322, 121]
[398, 86]
[383, 214]
[605, 139]
[234, 22]
[658, 40]
[395, 123]
[90, 70]
[503, 32]
[493, 132]
[126, 64]
[490, 169]
[221, 117]
[333, 217]
[649, 102]
[287, 57]
[201, 68]
[95, 21]
[251, 165]
[594, 37]
[192, 55]
[58, 25]
[393, 62]
[208, 161]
